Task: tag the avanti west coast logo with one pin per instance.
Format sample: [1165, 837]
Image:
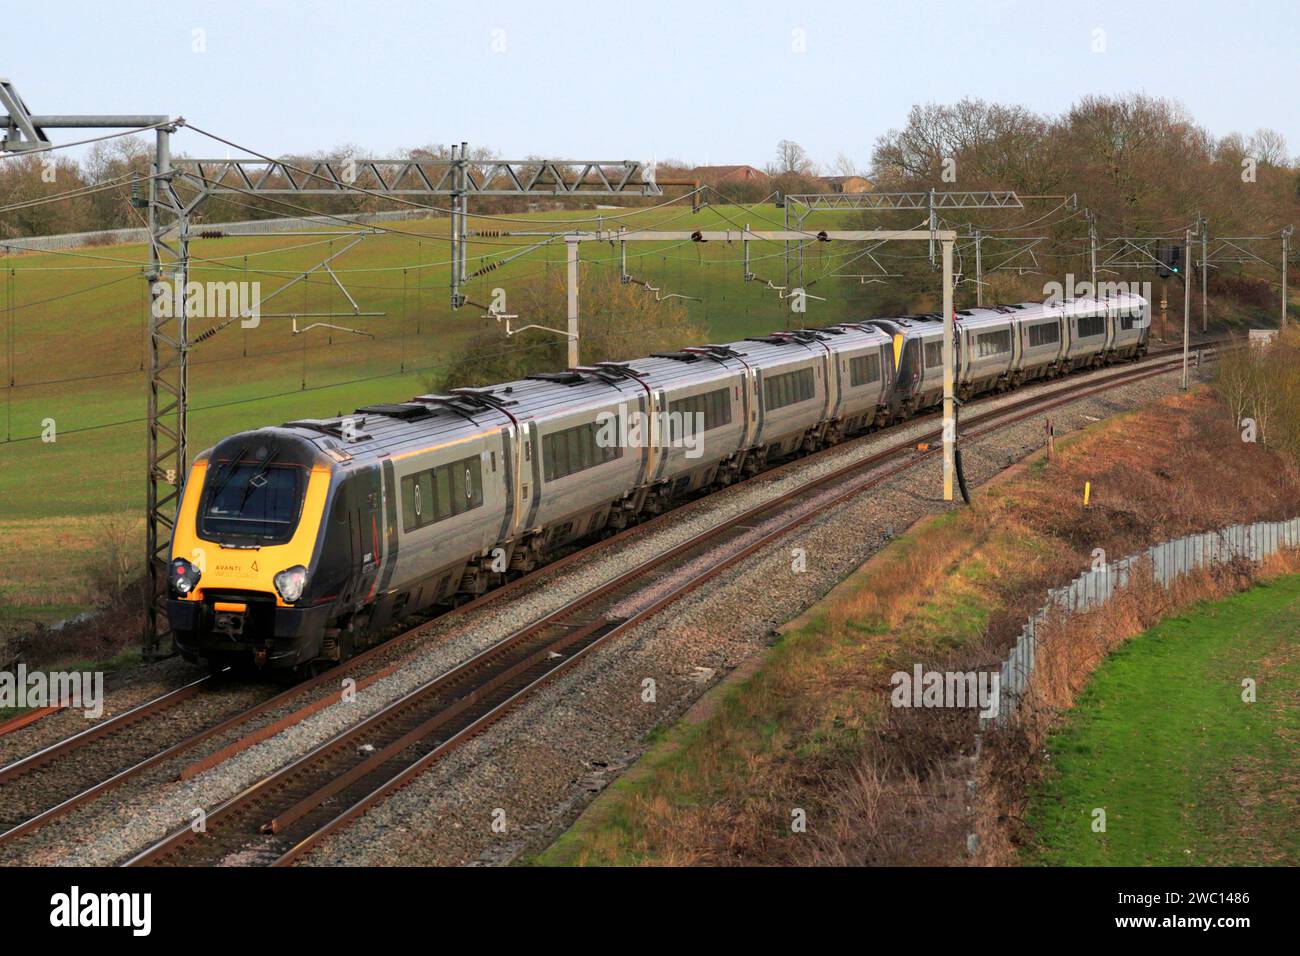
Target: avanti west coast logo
[83, 690]
[75, 908]
[960, 689]
[633, 428]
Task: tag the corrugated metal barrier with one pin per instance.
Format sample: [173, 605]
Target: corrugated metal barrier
[1168, 561]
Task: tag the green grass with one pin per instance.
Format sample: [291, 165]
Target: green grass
[78, 330]
[73, 342]
[1187, 773]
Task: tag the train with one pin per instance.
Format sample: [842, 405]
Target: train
[300, 544]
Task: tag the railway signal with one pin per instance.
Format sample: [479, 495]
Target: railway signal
[1170, 256]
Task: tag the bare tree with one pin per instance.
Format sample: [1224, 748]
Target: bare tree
[791, 158]
[845, 166]
[1234, 380]
[1268, 146]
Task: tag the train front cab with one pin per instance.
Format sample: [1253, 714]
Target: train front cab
[241, 587]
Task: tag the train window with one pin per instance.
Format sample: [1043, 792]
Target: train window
[576, 449]
[426, 501]
[992, 343]
[1092, 325]
[252, 499]
[713, 409]
[934, 354]
[788, 388]
[1126, 323]
[1046, 333]
[439, 493]
[443, 494]
[474, 480]
[864, 369]
[410, 504]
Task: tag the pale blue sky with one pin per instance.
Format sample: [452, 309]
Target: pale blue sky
[701, 81]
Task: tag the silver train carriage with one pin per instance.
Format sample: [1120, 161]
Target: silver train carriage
[301, 543]
[1003, 346]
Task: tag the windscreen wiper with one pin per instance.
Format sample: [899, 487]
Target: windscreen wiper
[253, 478]
[229, 473]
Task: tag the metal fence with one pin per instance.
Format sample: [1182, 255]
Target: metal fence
[1168, 561]
[246, 227]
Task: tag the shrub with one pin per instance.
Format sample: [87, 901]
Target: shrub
[617, 321]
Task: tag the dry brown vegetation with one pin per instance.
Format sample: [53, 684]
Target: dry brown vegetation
[812, 729]
[1260, 387]
[1140, 163]
[98, 564]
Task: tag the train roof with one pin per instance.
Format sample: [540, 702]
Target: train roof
[401, 427]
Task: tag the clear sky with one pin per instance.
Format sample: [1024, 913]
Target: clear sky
[703, 81]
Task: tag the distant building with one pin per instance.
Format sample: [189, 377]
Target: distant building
[847, 184]
[728, 174]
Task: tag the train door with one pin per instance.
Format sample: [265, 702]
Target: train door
[755, 426]
[389, 561]
[365, 516]
[659, 442]
[834, 388]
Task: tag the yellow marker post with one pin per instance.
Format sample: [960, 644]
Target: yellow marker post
[1087, 488]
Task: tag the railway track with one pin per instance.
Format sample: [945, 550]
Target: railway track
[57, 773]
[284, 815]
[27, 719]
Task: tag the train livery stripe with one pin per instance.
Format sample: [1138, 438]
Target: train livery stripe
[432, 448]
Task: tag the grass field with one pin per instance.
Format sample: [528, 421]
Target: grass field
[1187, 773]
[73, 346]
[74, 340]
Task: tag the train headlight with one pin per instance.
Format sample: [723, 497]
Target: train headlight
[291, 582]
[183, 577]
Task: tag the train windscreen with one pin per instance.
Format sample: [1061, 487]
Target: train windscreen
[254, 499]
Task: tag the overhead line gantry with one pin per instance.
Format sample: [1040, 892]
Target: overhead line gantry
[169, 210]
